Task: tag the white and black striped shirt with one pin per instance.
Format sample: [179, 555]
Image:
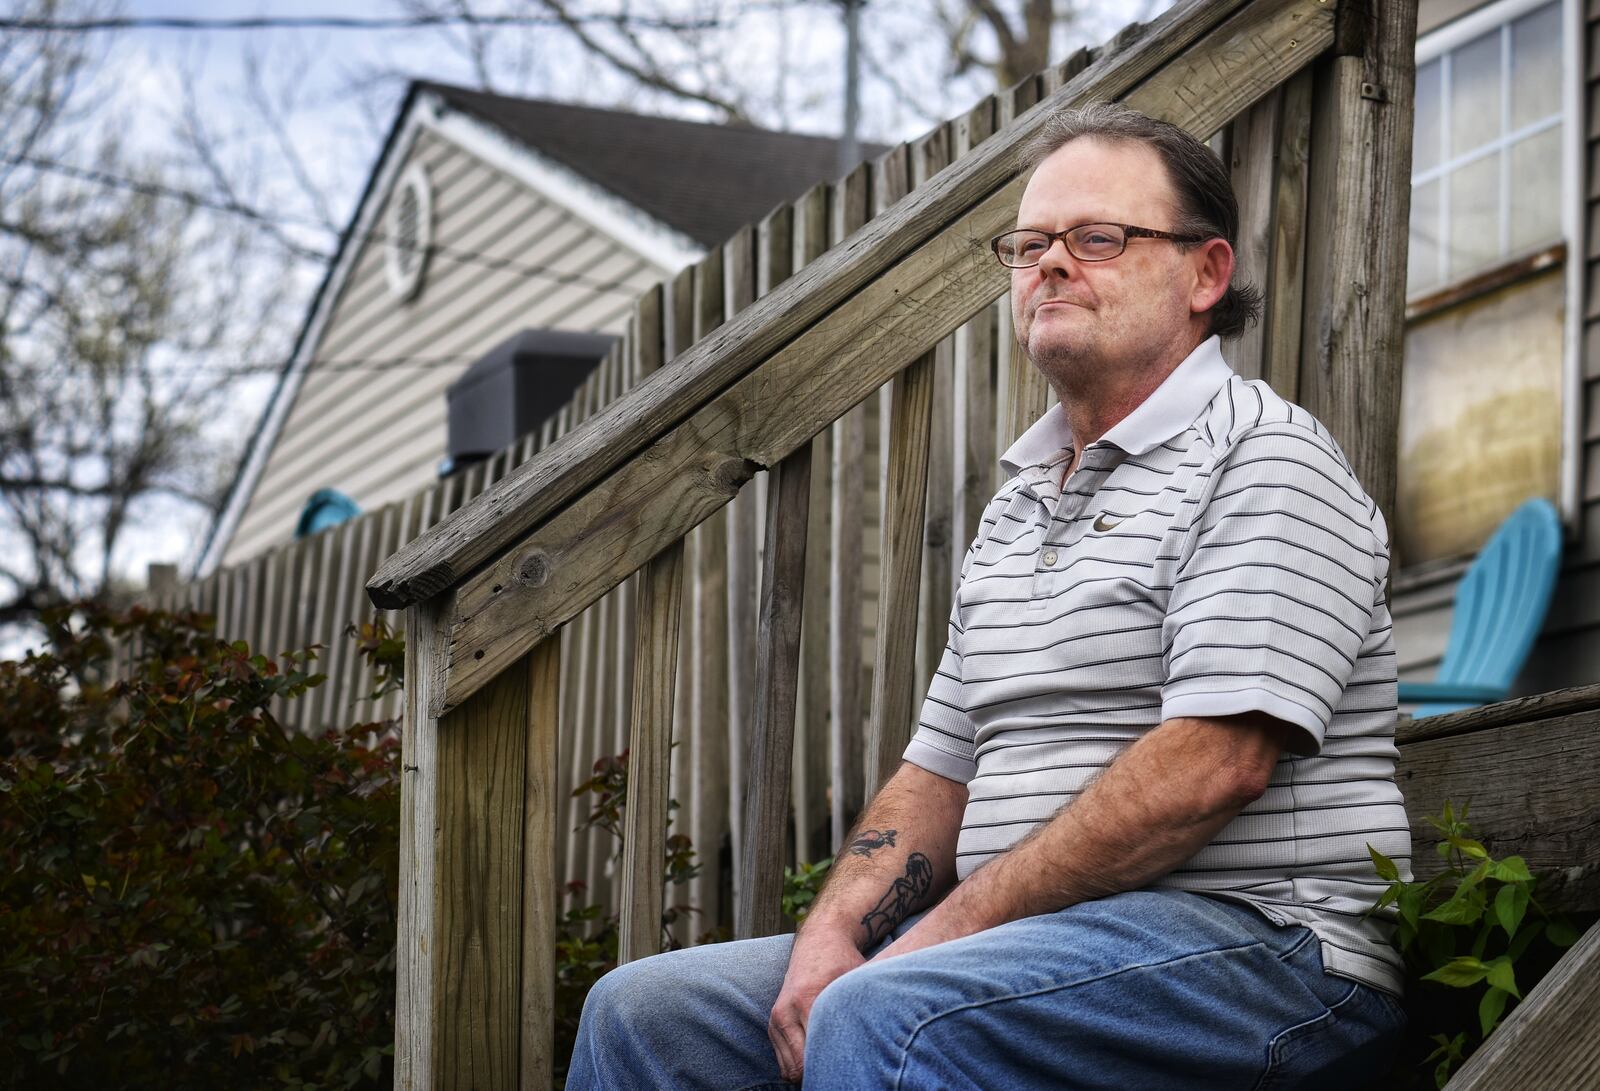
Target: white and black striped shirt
[1213, 554]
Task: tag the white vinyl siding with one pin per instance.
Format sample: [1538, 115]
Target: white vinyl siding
[377, 431]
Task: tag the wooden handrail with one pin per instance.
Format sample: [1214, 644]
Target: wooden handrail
[1163, 59]
[1549, 1040]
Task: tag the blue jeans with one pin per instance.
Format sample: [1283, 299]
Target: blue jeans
[1148, 989]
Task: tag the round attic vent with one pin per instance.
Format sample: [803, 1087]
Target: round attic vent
[408, 233]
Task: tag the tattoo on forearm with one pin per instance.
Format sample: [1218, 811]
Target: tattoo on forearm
[871, 841]
[899, 901]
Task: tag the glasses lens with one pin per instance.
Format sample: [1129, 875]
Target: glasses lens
[1097, 242]
[1020, 249]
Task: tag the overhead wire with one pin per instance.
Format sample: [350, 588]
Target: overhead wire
[346, 22]
[231, 207]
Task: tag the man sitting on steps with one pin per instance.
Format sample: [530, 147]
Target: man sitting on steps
[1127, 847]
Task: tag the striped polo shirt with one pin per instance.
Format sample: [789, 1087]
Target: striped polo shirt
[1212, 554]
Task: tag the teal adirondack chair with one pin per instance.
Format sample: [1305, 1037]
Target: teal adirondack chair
[1500, 607]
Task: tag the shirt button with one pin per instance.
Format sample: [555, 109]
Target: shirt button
[1049, 557]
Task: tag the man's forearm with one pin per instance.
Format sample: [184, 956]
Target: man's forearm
[1166, 798]
[899, 859]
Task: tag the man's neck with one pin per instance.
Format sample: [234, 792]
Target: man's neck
[1103, 396]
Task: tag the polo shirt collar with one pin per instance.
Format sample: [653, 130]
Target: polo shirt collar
[1169, 409]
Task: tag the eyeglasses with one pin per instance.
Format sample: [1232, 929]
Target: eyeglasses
[1026, 247]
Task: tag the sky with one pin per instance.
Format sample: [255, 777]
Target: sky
[337, 92]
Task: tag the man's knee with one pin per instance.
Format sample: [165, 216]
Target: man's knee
[855, 1005]
[617, 999]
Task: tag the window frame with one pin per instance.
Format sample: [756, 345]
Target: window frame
[1459, 32]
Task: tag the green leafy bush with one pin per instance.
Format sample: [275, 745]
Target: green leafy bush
[801, 885]
[192, 896]
[1477, 927]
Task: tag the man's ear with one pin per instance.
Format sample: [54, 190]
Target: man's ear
[1213, 265]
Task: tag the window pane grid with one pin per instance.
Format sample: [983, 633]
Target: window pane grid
[1486, 228]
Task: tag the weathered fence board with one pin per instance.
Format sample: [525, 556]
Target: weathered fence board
[660, 604]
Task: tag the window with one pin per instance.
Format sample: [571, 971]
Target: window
[1488, 387]
[1486, 156]
[408, 233]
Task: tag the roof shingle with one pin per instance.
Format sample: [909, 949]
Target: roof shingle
[706, 181]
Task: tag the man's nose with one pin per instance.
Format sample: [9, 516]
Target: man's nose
[1056, 259]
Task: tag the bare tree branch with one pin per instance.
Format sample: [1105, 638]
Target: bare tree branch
[642, 70]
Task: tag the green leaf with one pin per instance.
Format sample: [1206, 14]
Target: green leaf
[1561, 933]
[1411, 905]
[1513, 869]
[1386, 867]
[1459, 972]
[1529, 931]
[1509, 906]
[1465, 908]
[1502, 976]
[1490, 1009]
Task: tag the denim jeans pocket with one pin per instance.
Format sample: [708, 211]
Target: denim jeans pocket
[1347, 1043]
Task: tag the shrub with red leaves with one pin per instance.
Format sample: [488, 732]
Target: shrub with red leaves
[190, 896]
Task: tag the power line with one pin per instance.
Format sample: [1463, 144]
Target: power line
[188, 197]
[355, 363]
[275, 223]
[343, 22]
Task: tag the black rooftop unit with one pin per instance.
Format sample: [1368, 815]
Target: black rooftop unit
[514, 388]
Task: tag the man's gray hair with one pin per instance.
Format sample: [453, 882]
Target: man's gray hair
[1206, 205]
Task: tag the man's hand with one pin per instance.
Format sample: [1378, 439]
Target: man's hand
[816, 962]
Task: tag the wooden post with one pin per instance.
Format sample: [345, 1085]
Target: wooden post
[541, 885]
[655, 664]
[758, 901]
[1360, 201]
[812, 809]
[1025, 394]
[900, 572]
[974, 467]
[928, 158]
[739, 278]
[416, 916]
[844, 588]
[475, 989]
[708, 611]
[161, 580]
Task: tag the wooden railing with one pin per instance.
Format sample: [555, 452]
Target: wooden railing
[640, 488]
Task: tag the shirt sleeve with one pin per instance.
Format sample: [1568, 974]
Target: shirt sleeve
[943, 743]
[1274, 593]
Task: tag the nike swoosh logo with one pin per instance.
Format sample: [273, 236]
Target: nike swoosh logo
[1102, 525]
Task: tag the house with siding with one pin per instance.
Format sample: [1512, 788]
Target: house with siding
[1501, 390]
[485, 217]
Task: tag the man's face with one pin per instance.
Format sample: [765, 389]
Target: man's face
[1129, 311]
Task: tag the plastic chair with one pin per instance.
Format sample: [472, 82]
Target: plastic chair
[1500, 608]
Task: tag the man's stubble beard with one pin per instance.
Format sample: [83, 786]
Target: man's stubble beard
[1071, 370]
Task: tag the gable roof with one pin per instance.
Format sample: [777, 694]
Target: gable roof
[706, 181]
[703, 181]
